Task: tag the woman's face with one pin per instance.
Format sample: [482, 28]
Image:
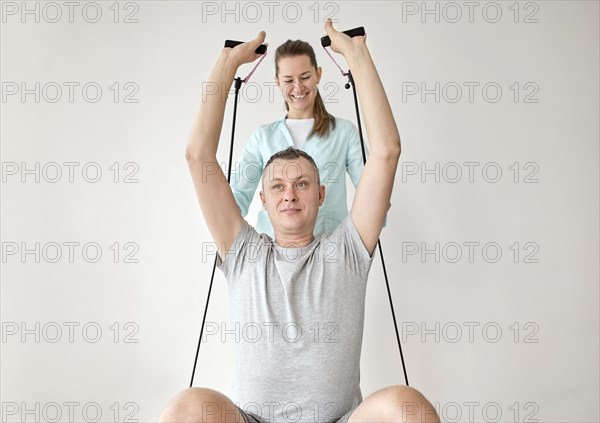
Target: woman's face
[298, 81]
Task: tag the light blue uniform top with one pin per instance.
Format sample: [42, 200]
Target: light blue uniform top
[334, 155]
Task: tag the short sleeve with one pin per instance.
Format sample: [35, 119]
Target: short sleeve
[350, 247]
[246, 247]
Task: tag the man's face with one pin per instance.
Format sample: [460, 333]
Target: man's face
[292, 197]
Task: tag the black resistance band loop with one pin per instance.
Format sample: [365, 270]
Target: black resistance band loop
[362, 146]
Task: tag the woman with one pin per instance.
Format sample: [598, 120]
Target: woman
[334, 143]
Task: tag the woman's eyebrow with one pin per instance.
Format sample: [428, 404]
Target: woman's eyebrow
[289, 76]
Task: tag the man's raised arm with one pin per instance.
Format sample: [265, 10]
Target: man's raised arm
[218, 205]
[372, 199]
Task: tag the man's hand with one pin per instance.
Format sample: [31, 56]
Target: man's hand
[340, 42]
[246, 52]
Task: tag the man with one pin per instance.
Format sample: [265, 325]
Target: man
[300, 299]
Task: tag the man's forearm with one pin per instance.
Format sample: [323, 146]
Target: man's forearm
[204, 137]
[379, 120]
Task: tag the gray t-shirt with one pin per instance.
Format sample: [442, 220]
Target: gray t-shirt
[296, 322]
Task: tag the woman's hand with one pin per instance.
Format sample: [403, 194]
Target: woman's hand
[340, 42]
[245, 52]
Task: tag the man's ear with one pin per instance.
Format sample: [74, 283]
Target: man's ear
[321, 195]
[262, 199]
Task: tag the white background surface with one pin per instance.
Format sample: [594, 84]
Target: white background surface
[542, 366]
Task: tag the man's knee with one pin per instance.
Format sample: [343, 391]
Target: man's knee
[201, 405]
[407, 405]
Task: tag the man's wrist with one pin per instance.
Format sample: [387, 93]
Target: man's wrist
[359, 53]
[226, 61]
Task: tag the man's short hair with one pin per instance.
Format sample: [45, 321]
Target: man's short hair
[291, 153]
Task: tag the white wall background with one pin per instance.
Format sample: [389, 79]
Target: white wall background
[542, 293]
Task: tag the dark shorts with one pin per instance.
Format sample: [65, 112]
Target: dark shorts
[253, 418]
